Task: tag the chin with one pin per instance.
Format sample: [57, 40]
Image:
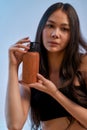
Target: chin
[53, 51]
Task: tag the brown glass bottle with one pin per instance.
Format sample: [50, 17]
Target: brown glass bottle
[31, 64]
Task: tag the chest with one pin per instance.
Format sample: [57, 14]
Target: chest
[54, 77]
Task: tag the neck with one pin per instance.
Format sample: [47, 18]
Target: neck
[54, 61]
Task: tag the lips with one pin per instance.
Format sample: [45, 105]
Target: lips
[52, 43]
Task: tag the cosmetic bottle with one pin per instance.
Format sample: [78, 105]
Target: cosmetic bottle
[31, 64]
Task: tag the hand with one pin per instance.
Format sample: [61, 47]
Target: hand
[43, 85]
[17, 51]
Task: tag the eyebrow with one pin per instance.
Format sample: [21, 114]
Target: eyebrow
[63, 24]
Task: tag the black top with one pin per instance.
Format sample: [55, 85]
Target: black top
[48, 108]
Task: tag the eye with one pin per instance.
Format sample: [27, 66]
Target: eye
[65, 29]
[50, 25]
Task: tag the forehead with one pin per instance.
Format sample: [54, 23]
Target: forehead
[59, 16]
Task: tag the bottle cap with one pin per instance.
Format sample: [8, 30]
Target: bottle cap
[34, 47]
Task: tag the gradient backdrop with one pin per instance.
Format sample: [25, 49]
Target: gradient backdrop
[18, 19]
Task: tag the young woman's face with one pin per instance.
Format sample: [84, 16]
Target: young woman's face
[56, 33]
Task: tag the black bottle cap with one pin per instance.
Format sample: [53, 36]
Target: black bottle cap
[34, 47]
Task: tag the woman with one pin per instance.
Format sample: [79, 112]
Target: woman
[58, 100]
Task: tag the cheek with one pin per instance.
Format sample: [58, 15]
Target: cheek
[66, 39]
[44, 36]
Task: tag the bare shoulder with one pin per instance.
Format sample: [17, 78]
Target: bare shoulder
[83, 65]
[83, 69]
[84, 57]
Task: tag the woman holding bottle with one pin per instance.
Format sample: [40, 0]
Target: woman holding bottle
[58, 99]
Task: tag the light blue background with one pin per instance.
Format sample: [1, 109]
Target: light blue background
[18, 19]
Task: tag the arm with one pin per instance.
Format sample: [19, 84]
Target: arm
[17, 98]
[17, 102]
[77, 111]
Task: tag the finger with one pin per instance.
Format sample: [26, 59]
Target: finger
[40, 77]
[14, 49]
[32, 85]
[40, 81]
[23, 83]
[24, 40]
[38, 86]
[22, 46]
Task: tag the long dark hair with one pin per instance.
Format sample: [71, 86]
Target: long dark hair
[69, 66]
[71, 60]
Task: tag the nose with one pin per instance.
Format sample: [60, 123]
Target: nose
[55, 33]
